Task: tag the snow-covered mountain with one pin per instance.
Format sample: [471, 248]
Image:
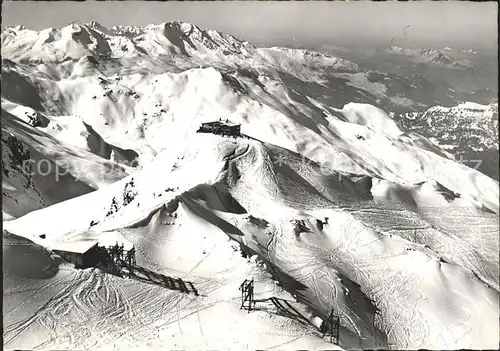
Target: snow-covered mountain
[341, 204]
[461, 75]
[83, 49]
[470, 51]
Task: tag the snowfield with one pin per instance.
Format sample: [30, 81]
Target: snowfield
[325, 200]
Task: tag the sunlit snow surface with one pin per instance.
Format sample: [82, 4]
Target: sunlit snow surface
[348, 209]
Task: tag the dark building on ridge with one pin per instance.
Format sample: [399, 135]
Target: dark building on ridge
[221, 127]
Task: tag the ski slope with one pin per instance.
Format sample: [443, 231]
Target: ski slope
[65, 308]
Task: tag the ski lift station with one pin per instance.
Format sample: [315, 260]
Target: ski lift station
[221, 127]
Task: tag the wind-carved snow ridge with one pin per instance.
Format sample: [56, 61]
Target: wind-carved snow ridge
[348, 203]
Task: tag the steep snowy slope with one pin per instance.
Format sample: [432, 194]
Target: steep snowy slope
[433, 56]
[71, 130]
[39, 170]
[155, 97]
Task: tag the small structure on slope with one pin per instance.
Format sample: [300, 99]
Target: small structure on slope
[81, 253]
[221, 127]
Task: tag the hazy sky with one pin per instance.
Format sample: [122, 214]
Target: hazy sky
[429, 24]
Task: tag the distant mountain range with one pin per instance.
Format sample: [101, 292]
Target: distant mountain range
[345, 189]
[466, 127]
